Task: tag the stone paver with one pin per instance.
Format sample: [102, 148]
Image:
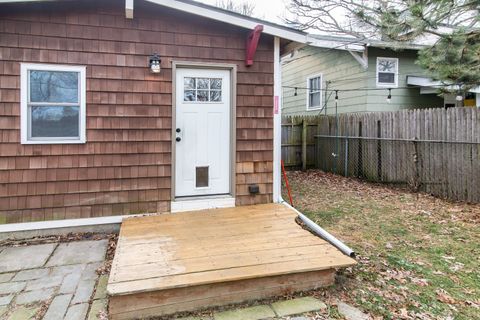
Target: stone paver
[79, 252]
[3, 310]
[34, 296]
[251, 313]
[77, 312]
[58, 307]
[350, 312]
[90, 271]
[297, 306]
[4, 277]
[23, 313]
[31, 274]
[65, 270]
[98, 306]
[84, 291]
[63, 273]
[70, 283]
[28, 257]
[101, 291]
[5, 300]
[11, 287]
[46, 282]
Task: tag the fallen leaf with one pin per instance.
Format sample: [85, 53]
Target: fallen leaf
[444, 297]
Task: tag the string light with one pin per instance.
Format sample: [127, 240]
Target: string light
[389, 97]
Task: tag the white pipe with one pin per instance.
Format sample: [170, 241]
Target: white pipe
[323, 233]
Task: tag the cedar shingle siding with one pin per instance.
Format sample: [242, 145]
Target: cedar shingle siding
[125, 166]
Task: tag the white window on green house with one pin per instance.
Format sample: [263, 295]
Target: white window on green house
[52, 104]
[314, 92]
[387, 72]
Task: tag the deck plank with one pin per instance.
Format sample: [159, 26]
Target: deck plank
[218, 248]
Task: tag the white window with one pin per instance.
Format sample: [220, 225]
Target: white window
[387, 72]
[314, 92]
[52, 104]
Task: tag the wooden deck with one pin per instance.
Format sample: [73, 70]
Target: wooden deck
[185, 261]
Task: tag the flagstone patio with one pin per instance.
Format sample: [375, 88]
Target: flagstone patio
[58, 277]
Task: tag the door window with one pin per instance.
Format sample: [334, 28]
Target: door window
[202, 89]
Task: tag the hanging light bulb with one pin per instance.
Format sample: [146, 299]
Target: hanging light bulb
[295, 94]
[336, 95]
[389, 97]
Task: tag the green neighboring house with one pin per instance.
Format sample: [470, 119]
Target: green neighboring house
[309, 73]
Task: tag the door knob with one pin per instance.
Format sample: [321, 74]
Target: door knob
[178, 139]
[178, 130]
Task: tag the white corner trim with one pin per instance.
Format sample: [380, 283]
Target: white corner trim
[192, 204]
[129, 9]
[277, 122]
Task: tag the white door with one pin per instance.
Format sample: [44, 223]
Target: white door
[202, 155]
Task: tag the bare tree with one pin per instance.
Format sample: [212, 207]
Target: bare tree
[453, 24]
[245, 8]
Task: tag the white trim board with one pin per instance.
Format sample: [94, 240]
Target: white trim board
[193, 204]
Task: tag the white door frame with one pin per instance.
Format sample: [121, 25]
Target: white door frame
[233, 94]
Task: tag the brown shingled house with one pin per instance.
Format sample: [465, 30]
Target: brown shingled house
[87, 127]
[113, 108]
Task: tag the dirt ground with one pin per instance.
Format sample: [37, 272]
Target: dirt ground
[418, 255]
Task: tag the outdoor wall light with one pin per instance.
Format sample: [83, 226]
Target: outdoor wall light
[154, 63]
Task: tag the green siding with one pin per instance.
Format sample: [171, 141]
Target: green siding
[342, 72]
[401, 98]
[337, 66]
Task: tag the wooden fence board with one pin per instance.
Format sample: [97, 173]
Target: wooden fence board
[444, 169]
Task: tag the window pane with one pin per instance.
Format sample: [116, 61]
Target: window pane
[314, 100]
[387, 65]
[189, 95]
[202, 95]
[384, 77]
[216, 83]
[54, 121]
[215, 95]
[53, 86]
[189, 83]
[202, 83]
[315, 83]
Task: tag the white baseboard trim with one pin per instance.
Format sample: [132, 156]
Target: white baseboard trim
[193, 204]
[67, 223]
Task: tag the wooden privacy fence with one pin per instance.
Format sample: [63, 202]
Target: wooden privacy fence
[433, 150]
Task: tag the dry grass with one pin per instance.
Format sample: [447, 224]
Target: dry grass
[419, 255]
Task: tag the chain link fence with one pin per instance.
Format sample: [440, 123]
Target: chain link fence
[445, 169]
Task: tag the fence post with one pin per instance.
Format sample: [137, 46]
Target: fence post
[304, 145]
[346, 156]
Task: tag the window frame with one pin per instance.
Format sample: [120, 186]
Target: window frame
[387, 85]
[319, 107]
[24, 102]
